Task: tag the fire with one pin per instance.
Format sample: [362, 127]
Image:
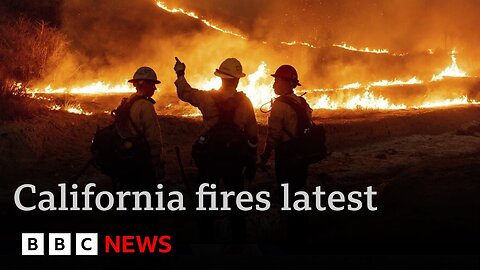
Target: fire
[355, 85]
[324, 102]
[366, 50]
[213, 83]
[258, 86]
[93, 88]
[193, 15]
[76, 109]
[343, 46]
[368, 101]
[449, 102]
[411, 81]
[293, 43]
[451, 71]
[365, 101]
[259, 90]
[381, 83]
[163, 6]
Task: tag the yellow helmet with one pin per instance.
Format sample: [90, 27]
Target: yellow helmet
[230, 69]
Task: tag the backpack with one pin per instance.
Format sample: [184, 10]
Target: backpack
[225, 141]
[111, 153]
[308, 143]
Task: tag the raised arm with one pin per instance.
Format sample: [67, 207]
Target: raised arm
[184, 91]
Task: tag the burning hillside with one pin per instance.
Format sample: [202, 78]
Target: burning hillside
[351, 96]
[395, 85]
[350, 77]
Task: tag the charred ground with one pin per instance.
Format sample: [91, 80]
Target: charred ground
[424, 165]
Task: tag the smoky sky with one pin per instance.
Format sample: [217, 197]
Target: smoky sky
[402, 25]
[110, 38]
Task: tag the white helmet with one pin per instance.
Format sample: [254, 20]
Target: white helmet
[230, 69]
[145, 73]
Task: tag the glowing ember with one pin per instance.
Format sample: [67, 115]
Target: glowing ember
[76, 109]
[452, 71]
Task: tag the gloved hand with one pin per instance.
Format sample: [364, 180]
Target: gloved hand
[179, 67]
[160, 171]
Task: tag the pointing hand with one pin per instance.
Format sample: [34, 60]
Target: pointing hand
[179, 67]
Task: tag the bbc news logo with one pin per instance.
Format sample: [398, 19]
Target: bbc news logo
[59, 244]
[87, 244]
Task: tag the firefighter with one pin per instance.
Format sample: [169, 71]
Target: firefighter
[282, 127]
[143, 173]
[223, 109]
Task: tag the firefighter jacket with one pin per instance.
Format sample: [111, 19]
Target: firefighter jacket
[282, 122]
[144, 117]
[204, 100]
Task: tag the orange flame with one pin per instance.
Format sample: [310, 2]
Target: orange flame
[448, 102]
[381, 83]
[192, 14]
[365, 101]
[93, 88]
[366, 50]
[451, 71]
[76, 109]
[163, 6]
[411, 81]
[293, 43]
[258, 87]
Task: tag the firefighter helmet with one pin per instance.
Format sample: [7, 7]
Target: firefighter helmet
[289, 73]
[144, 73]
[230, 69]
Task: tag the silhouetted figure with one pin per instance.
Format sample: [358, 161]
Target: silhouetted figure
[283, 126]
[146, 169]
[226, 150]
